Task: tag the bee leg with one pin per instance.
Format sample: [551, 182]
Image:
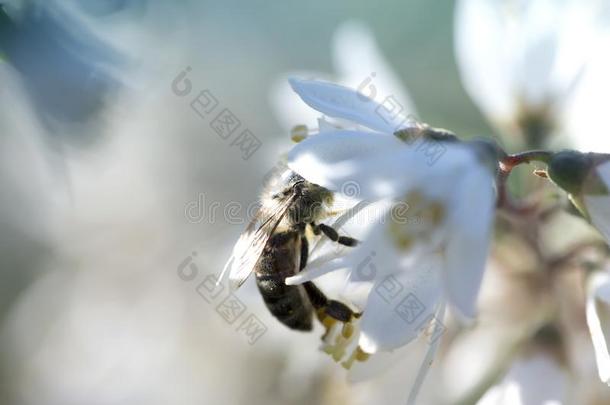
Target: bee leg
[334, 236]
[304, 253]
[339, 311]
[336, 318]
[325, 307]
[316, 296]
[320, 302]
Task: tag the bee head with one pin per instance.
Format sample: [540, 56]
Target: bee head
[311, 193]
[306, 193]
[299, 188]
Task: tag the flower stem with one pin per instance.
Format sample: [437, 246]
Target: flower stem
[507, 164]
[510, 161]
[563, 260]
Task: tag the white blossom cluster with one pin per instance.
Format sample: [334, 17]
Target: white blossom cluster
[535, 71]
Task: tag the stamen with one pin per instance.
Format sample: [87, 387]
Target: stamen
[428, 215]
[298, 133]
[361, 355]
[341, 342]
[348, 330]
[435, 212]
[347, 364]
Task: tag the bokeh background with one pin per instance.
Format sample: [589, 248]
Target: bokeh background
[108, 177]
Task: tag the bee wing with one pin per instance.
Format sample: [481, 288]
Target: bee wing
[251, 243]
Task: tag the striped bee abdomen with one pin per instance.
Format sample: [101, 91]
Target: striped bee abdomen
[281, 259]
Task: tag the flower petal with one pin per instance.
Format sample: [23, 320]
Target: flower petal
[360, 64]
[537, 47]
[523, 384]
[315, 270]
[604, 172]
[287, 108]
[598, 320]
[385, 363]
[488, 349]
[329, 160]
[377, 166]
[469, 227]
[586, 111]
[485, 67]
[328, 257]
[342, 102]
[399, 307]
[429, 358]
[599, 211]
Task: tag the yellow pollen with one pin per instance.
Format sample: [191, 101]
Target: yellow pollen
[328, 322]
[435, 212]
[340, 341]
[361, 355]
[357, 355]
[298, 133]
[348, 330]
[415, 199]
[347, 364]
[428, 215]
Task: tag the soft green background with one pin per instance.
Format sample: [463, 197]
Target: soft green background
[245, 44]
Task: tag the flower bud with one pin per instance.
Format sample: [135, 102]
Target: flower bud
[569, 170]
[586, 177]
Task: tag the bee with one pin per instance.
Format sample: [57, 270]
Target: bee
[275, 246]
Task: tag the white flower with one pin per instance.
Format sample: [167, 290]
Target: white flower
[527, 64]
[432, 243]
[358, 63]
[535, 380]
[598, 320]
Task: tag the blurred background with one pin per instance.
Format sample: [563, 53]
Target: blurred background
[121, 194]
